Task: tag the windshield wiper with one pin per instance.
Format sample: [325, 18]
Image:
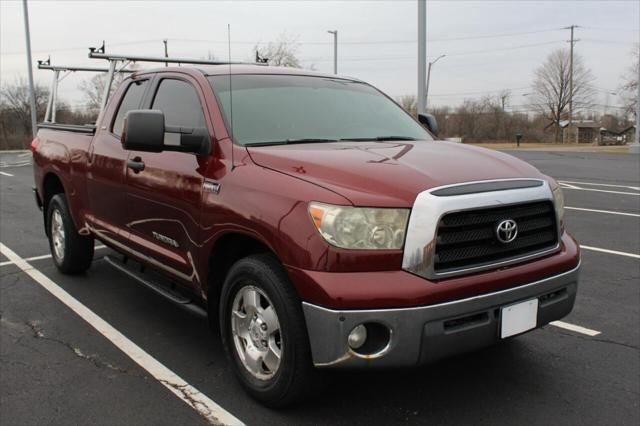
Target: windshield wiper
[311, 140]
[382, 138]
[292, 141]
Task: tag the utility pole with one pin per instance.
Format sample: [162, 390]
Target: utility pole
[426, 94]
[635, 146]
[422, 55]
[32, 97]
[166, 51]
[573, 41]
[335, 50]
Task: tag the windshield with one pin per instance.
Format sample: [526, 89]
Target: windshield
[305, 109]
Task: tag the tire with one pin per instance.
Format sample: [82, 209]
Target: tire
[72, 253]
[295, 377]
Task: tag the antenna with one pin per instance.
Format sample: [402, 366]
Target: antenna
[233, 164]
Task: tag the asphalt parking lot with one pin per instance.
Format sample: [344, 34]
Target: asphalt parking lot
[56, 368]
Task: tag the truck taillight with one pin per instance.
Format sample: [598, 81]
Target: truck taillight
[34, 145]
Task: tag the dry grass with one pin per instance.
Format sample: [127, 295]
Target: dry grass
[555, 147]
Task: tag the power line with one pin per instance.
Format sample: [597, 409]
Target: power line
[412, 41]
[85, 48]
[495, 35]
[353, 42]
[475, 52]
[636, 30]
[595, 40]
[523, 46]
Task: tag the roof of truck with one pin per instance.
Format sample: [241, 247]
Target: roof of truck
[246, 69]
[258, 69]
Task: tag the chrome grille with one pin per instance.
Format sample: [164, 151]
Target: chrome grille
[467, 239]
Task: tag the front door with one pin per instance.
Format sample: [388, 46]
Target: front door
[164, 199]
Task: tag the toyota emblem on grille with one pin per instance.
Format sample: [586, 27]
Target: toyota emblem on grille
[506, 231]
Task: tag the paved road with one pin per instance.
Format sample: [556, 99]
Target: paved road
[57, 369]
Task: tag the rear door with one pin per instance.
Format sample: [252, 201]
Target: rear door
[164, 199]
[107, 165]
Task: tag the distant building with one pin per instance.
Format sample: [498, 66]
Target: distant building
[587, 131]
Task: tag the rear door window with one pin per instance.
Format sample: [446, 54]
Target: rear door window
[131, 100]
[179, 102]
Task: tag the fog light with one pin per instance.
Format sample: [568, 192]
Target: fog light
[357, 337]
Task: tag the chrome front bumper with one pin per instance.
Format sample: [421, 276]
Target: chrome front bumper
[426, 333]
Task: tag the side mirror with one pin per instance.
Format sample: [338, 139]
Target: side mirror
[429, 121]
[144, 130]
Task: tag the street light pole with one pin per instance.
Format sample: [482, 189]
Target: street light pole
[426, 94]
[422, 55]
[32, 94]
[635, 146]
[335, 50]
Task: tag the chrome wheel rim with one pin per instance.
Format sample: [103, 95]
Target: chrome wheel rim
[57, 235]
[256, 332]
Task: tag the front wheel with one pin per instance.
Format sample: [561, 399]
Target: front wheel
[72, 253]
[264, 333]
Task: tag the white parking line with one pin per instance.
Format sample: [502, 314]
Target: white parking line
[619, 253]
[602, 211]
[6, 174]
[206, 407]
[20, 164]
[44, 256]
[576, 328]
[600, 184]
[565, 186]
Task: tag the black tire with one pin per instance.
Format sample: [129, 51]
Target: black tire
[296, 377]
[77, 250]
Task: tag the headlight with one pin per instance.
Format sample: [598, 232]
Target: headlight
[558, 202]
[360, 227]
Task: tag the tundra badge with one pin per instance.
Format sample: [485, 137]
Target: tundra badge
[211, 186]
[165, 239]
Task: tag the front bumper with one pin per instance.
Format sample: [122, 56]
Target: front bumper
[427, 333]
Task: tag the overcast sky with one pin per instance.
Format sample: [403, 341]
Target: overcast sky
[490, 46]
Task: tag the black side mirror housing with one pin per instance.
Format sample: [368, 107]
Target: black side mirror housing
[144, 130]
[429, 121]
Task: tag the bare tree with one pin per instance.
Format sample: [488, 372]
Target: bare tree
[629, 88]
[551, 94]
[93, 88]
[15, 100]
[408, 102]
[282, 52]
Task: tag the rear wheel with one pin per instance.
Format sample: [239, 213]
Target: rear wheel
[72, 253]
[264, 333]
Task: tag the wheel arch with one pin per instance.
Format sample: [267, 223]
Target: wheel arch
[227, 250]
[51, 185]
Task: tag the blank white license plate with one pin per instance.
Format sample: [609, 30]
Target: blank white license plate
[519, 318]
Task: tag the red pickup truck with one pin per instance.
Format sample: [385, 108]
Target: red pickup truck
[319, 224]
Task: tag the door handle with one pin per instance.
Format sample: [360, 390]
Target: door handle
[137, 165]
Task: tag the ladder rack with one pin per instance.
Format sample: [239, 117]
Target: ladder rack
[50, 113]
[100, 53]
[112, 69]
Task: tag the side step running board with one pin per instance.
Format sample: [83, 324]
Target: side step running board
[160, 288]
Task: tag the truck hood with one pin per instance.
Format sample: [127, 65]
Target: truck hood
[389, 173]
